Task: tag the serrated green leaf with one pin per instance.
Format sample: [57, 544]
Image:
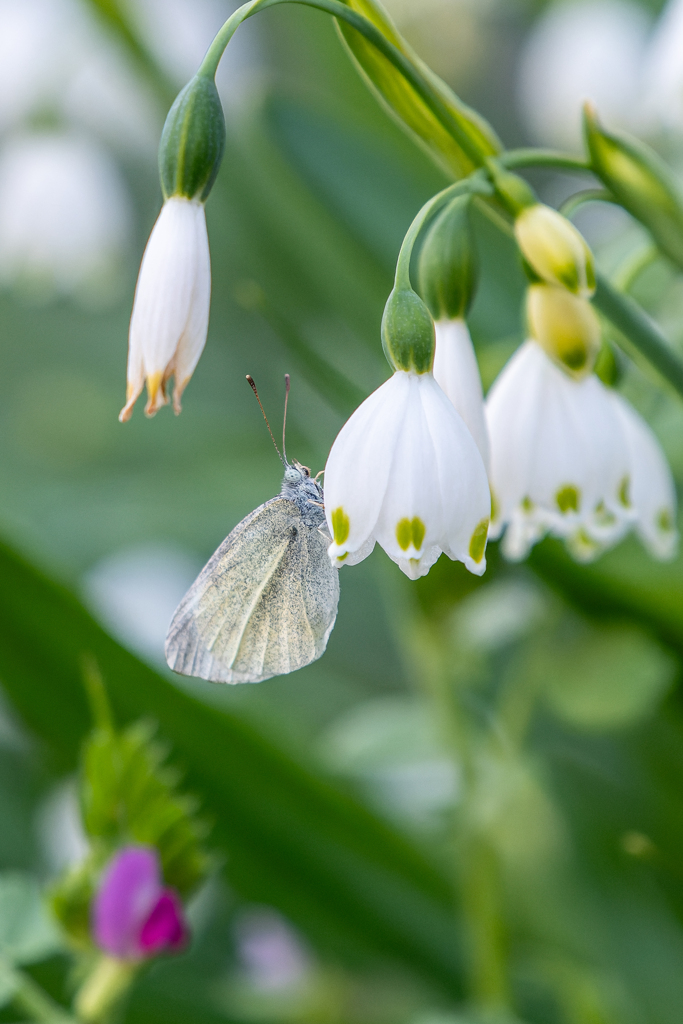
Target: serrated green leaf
[406, 105]
[27, 934]
[129, 796]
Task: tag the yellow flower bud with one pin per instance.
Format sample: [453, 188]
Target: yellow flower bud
[566, 326]
[555, 250]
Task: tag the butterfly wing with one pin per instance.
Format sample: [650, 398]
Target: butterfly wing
[263, 605]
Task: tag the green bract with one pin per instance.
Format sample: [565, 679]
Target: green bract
[640, 180]
[458, 141]
[193, 140]
[448, 265]
[408, 336]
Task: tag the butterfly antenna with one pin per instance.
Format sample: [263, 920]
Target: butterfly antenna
[252, 385]
[284, 419]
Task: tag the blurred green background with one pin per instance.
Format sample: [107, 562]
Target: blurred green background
[341, 892]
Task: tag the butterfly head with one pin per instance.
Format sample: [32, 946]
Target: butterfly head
[300, 487]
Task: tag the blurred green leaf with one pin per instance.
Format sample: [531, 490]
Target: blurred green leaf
[606, 677]
[26, 932]
[407, 106]
[292, 840]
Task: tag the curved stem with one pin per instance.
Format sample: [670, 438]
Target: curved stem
[590, 195]
[631, 268]
[403, 64]
[431, 207]
[529, 157]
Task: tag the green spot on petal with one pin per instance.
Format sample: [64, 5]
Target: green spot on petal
[624, 492]
[410, 531]
[665, 521]
[527, 504]
[340, 558]
[340, 525]
[478, 541]
[568, 498]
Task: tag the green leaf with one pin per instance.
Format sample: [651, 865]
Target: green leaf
[290, 839]
[603, 677]
[128, 796]
[8, 983]
[477, 138]
[27, 934]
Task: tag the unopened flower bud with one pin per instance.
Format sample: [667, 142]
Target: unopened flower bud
[566, 326]
[408, 336]
[555, 250]
[448, 267]
[192, 142]
[640, 180]
[134, 916]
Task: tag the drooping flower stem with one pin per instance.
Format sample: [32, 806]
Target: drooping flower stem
[412, 74]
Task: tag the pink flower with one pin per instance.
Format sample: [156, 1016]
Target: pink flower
[134, 916]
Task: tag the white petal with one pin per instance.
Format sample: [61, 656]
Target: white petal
[457, 373]
[412, 495]
[359, 462]
[170, 296]
[558, 456]
[461, 480]
[652, 490]
[191, 344]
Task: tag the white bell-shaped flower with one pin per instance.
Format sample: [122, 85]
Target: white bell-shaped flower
[171, 307]
[405, 471]
[64, 215]
[651, 487]
[457, 373]
[559, 459]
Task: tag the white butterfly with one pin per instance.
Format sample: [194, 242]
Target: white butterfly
[266, 601]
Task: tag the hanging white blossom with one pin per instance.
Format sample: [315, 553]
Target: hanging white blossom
[559, 459]
[171, 307]
[405, 471]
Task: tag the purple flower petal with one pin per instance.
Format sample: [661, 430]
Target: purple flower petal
[165, 927]
[129, 891]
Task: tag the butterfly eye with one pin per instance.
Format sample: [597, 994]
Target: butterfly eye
[292, 475]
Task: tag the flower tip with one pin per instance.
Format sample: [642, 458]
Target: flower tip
[156, 394]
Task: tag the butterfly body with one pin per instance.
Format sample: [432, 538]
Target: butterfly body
[266, 601]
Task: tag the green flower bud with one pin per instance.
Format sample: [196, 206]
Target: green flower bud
[192, 141]
[640, 180]
[566, 326]
[555, 250]
[408, 335]
[447, 270]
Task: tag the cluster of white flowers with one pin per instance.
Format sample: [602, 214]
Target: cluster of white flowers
[564, 454]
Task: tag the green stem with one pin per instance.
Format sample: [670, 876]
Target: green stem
[33, 1000]
[630, 269]
[590, 195]
[419, 82]
[630, 319]
[429, 209]
[542, 158]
